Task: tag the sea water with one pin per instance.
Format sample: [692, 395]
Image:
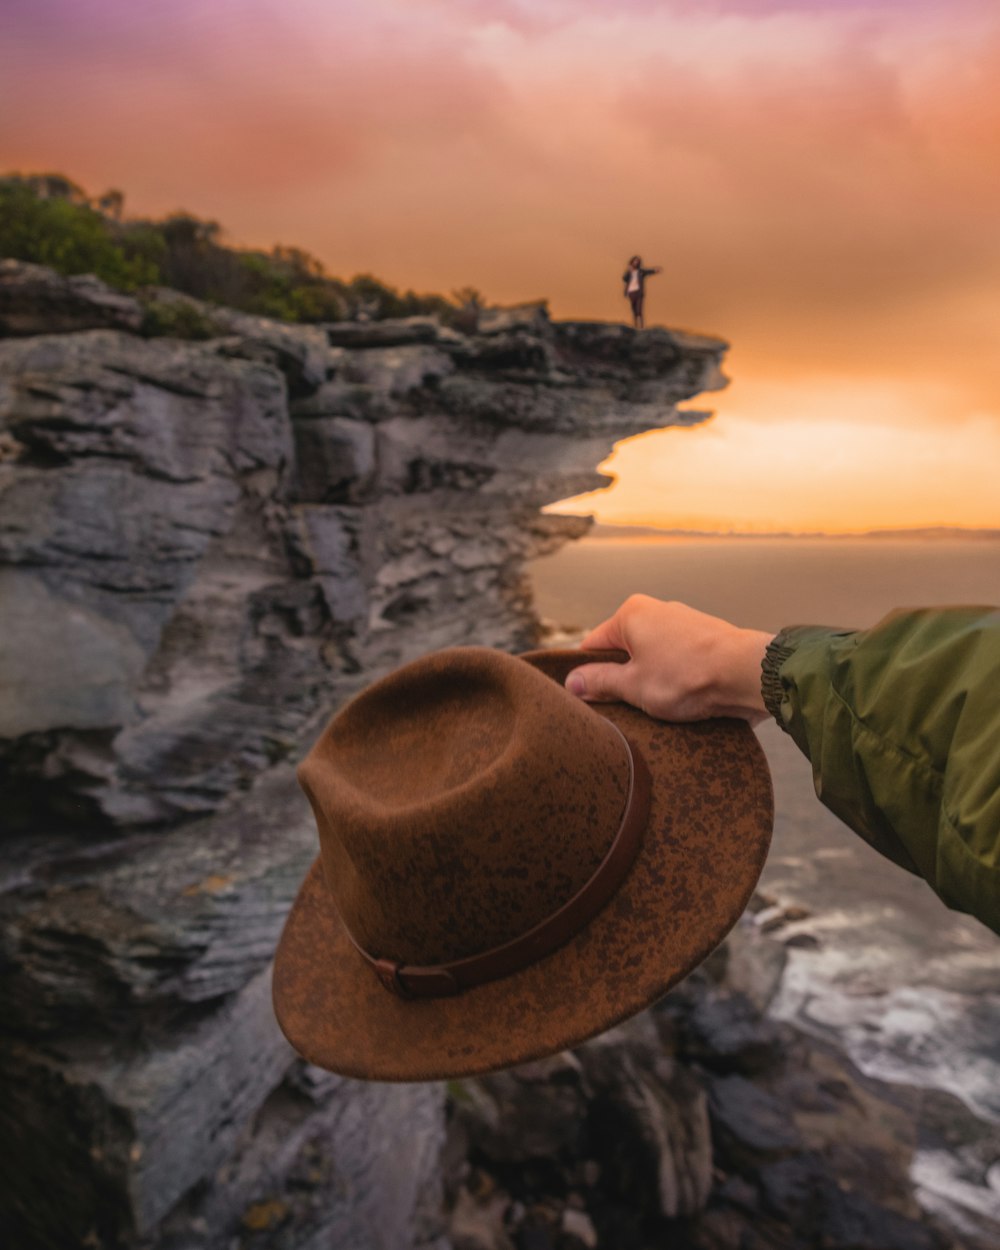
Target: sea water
[768, 582]
[910, 989]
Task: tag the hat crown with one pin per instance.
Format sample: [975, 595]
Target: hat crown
[461, 801]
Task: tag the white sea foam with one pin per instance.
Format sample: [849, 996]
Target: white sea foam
[945, 1189]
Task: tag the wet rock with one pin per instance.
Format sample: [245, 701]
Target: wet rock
[727, 1034]
[792, 1188]
[854, 1222]
[479, 1225]
[649, 1125]
[754, 963]
[800, 1152]
[578, 1229]
[740, 1194]
[748, 1123]
[533, 1111]
[535, 1237]
[779, 915]
[802, 1192]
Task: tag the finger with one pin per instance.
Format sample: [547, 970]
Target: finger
[607, 636]
[601, 683]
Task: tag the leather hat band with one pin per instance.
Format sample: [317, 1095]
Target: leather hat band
[442, 980]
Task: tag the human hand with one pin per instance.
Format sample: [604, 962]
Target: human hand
[684, 665]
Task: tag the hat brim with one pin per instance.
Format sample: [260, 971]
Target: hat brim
[705, 843]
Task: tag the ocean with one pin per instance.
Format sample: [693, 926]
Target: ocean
[875, 961]
[768, 582]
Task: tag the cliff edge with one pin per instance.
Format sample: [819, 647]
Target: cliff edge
[205, 546]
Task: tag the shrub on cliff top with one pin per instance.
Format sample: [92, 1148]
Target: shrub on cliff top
[47, 219]
[69, 236]
[176, 321]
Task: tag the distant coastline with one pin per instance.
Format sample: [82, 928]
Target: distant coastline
[602, 530]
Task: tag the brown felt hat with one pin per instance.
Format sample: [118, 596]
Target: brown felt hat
[504, 870]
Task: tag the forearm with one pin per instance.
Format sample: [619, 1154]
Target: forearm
[901, 722]
[734, 663]
[902, 726]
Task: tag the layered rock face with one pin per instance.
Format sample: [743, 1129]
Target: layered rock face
[204, 543]
[206, 546]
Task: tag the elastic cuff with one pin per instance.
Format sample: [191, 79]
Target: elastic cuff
[778, 650]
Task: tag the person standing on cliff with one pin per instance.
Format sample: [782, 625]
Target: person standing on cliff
[634, 279]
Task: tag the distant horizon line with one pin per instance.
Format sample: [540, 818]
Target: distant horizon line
[608, 529]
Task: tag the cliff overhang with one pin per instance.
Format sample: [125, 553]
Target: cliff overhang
[205, 546]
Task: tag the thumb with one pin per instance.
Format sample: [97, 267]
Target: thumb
[600, 683]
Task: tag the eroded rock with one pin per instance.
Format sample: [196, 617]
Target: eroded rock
[36, 300]
[209, 541]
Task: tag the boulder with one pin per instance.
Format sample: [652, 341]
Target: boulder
[650, 1124]
[535, 1111]
[36, 300]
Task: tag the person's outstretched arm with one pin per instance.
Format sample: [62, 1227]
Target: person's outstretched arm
[901, 722]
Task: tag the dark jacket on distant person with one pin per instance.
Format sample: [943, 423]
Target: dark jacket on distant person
[643, 275]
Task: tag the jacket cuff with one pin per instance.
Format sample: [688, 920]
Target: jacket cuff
[778, 650]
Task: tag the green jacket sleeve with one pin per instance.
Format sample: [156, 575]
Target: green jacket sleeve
[901, 723]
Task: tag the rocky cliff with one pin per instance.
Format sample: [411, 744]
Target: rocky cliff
[207, 545]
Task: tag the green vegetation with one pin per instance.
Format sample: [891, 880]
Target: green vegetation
[177, 321]
[66, 233]
[49, 220]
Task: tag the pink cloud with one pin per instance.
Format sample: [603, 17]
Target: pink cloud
[252, 103]
[796, 173]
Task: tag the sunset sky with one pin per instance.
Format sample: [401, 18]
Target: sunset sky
[819, 179]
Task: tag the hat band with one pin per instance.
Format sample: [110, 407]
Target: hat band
[443, 980]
